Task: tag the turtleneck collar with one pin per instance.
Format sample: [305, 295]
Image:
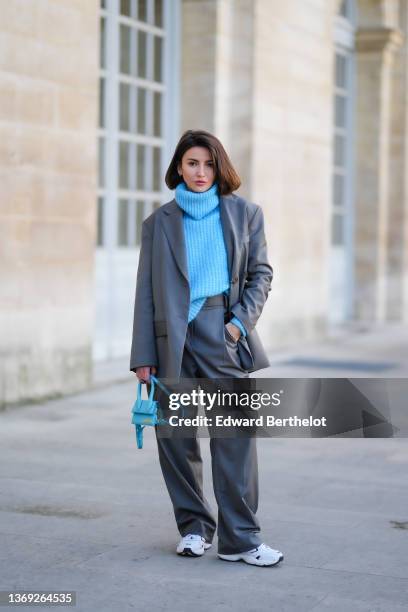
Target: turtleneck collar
[197, 204]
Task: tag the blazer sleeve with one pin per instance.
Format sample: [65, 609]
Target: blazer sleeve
[259, 275]
[143, 351]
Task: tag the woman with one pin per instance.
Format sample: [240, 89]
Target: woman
[202, 282]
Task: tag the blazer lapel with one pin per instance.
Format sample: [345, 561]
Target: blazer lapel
[228, 231]
[174, 229]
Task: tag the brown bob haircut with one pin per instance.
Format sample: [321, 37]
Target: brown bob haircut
[225, 174]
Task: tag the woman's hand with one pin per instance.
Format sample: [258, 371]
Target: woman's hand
[234, 331]
[143, 373]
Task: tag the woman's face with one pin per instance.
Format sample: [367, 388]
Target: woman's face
[197, 169]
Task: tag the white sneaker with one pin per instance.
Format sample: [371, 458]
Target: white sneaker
[192, 545]
[263, 555]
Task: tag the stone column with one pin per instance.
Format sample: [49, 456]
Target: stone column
[375, 52]
[217, 73]
[397, 272]
[198, 60]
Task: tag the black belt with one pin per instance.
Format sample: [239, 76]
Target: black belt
[217, 300]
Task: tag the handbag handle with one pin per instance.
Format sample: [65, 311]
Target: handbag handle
[163, 388]
[159, 384]
[139, 391]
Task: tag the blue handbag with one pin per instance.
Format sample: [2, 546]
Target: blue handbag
[146, 411]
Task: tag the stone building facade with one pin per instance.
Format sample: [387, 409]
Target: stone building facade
[310, 100]
[48, 164]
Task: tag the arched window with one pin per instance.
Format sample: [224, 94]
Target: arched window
[347, 10]
[342, 175]
[138, 125]
[135, 91]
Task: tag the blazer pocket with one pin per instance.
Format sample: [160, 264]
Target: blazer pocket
[245, 354]
[160, 328]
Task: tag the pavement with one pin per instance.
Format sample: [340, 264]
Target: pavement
[82, 509]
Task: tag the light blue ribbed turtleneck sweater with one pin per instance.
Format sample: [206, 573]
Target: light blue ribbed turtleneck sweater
[206, 252]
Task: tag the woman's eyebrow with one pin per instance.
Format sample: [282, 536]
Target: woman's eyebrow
[192, 159]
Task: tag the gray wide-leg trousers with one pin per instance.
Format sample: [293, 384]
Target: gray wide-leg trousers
[209, 353]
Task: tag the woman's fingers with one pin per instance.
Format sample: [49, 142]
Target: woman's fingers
[143, 373]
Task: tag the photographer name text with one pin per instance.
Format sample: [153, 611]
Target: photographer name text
[259, 421]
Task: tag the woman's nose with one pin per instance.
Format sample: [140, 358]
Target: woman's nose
[201, 171]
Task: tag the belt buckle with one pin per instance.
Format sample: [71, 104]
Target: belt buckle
[226, 312]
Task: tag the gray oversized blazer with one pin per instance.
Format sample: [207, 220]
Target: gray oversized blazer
[162, 289]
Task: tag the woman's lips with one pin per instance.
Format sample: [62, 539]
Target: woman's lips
[201, 182]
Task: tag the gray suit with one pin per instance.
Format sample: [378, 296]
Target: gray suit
[202, 349]
[162, 291]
